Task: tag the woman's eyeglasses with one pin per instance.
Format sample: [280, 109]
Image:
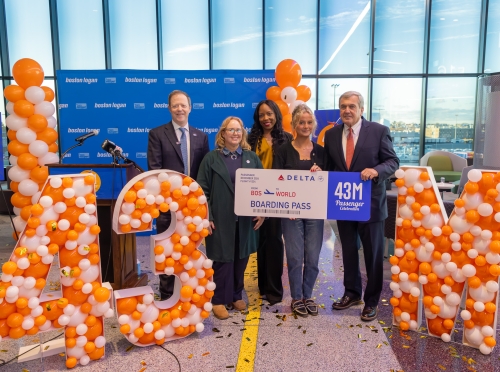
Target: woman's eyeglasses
[233, 130]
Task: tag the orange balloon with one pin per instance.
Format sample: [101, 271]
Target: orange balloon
[51, 310]
[436, 326]
[69, 258]
[94, 331]
[303, 93]
[75, 297]
[48, 135]
[27, 72]
[11, 135]
[13, 93]
[37, 122]
[71, 214]
[201, 211]
[101, 294]
[4, 328]
[55, 194]
[273, 93]
[288, 73]
[39, 174]
[27, 161]
[37, 270]
[49, 94]
[287, 123]
[283, 107]
[18, 200]
[97, 353]
[17, 148]
[24, 108]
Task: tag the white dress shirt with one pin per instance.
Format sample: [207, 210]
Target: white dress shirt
[178, 133]
[355, 132]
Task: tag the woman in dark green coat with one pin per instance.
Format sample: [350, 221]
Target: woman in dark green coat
[232, 238]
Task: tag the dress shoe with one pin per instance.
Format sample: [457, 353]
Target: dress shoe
[346, 302]
[220, 312]
[239, 305]
[369, 313]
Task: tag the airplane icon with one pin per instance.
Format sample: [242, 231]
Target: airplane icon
[267, 192]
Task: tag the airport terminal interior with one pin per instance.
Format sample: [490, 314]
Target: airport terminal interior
[425, 68]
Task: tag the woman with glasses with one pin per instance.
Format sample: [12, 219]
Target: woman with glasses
[303, 237]
[265, 137]
[232, 238]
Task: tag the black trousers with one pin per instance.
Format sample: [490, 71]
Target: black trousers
[270, 254]
[229, 277]
[372, 238]
[166, 281]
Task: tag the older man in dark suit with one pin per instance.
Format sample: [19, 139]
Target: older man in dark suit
[362, 146]
[179, 147]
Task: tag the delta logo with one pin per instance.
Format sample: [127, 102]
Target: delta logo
[296, 177]
[281, 178]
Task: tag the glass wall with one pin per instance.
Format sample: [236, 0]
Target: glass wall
[291, 29]
[416, 62]
[132, 26]
[81, 35]
[344, 37]
[450, 114]
[397, 104]
[184, 35]
[237, 34]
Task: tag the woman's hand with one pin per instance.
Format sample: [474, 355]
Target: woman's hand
[211, 227]
[260, 221]
[315, 168]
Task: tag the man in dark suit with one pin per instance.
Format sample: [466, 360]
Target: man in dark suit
[362, 146]
[179, 147]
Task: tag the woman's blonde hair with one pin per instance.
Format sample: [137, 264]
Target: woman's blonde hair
[219, 139]
[299, 110]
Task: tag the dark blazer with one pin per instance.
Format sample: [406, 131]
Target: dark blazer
[164, 149]
[216, 183]
[286, 157]
[373, 150]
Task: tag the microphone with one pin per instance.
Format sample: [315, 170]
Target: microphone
[113, 149]
[88, 135]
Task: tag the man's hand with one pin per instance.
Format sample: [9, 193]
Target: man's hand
[211, 227]
[368, 174]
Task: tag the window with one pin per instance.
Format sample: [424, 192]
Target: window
[450, 114]
[237, 34]
[291, 33]
[185, 35]
[492, 60]
[28, 32]
[81, 34]
[344, 37]
[397, 104]
[399, 37]
[133, 34]
[331, 89]
[454, 36]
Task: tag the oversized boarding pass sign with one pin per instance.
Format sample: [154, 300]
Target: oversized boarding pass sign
[302, 194]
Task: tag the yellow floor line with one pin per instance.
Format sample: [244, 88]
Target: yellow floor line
[248, 346]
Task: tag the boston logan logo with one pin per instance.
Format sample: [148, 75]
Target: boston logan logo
[139, 106]
[110, 80]
[112, 130]
[169, 80]
[198, 106]
[255, 104]
[81, 106]
[83, 155]
[160, 105]
[141, 155]
[235, 105]
[83, 130]
[83, 80]
[228, 80]
[200, 81]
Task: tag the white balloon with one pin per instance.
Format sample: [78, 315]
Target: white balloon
[10, 108]
[45, 108]
[17, 174]
[38, 148]
[474, 175]
[13, 160]
[28, 187]
[294, 104]
[34, 94]
[52, 122]
[288, 94]
[16, 122]
[48, 158]
[26, 135]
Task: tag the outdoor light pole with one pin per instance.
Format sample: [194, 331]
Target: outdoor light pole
[334, 86]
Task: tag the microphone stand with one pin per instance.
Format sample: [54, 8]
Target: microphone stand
[68, 150]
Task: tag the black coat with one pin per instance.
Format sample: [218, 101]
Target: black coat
[164, 150]
[373, 150]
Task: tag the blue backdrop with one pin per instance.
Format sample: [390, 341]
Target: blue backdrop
[123, 105]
